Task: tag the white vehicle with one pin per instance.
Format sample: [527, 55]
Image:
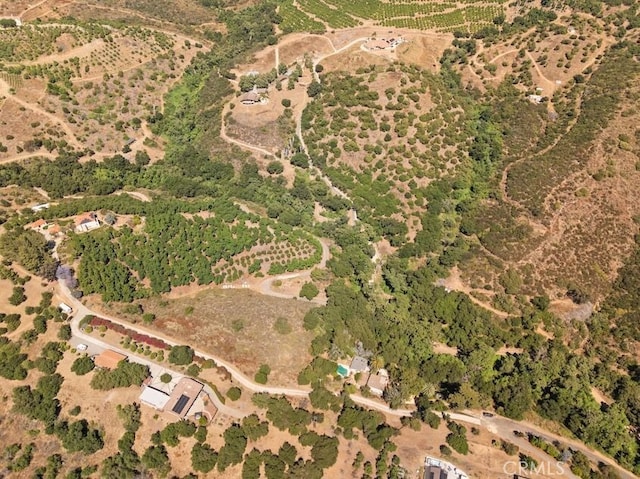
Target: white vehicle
[81, 347]
[65, 308]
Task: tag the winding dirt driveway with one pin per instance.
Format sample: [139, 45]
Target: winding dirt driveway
[266, 286]
[26, 155]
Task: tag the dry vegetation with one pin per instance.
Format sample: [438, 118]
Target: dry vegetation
[541, 59]
[245, 328]
[584, 213]
[100, 83]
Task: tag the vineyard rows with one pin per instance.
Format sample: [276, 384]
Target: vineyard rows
[14, 81]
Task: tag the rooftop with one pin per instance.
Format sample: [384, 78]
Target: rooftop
[154, 397]
[250, 96]
[37, 224]
[109, 359]
[85, 218]
[379, 381]
[359, 364]
[183, 396]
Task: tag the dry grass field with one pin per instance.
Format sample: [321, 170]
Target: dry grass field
[239, 326]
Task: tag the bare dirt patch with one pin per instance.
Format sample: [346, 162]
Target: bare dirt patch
[423, 50]
[294, 48]
[14, 7]
[352, 59]
[263, 125]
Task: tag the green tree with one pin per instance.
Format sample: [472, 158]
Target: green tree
[83, 365]
[18, 296]
[314, 89]
[309, 291]
[156, 457]
[234, 393]
[65, 332]
[262, 375]
[203, 458]
[275, 167]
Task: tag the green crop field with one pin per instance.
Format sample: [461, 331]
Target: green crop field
[295, 20]
[314, 15]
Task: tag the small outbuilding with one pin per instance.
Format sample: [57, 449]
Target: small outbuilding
[87, 222]
[65, 308]
[378, 382]
[250, 98]
[109, 359]
[40, 207]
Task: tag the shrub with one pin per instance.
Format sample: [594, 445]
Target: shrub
[193, 370]
[458, 442]
[262, 375]
[65, 332]
[445, 451]
[282, 325]
[275, 167]
[309, 291]
[286, 102]
[18, 296]
[234, 393]
[181, 355]
[166, 378]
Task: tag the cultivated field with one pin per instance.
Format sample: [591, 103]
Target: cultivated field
[321, 15]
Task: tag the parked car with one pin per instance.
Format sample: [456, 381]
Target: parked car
[487, 414]
[81, 347]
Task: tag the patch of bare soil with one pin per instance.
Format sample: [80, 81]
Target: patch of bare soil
[264, 124]
[14, 7]
[423, 50]
[484, 461]
[593, 226]
[293, 48]
[541, 60]
[21, 125]
[179, 12]
[352, 59]
[240, 327]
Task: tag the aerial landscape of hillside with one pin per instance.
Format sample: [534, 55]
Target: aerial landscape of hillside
[320, 239]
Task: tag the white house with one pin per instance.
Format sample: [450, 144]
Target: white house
[378, 382]
[40, 207]
[87, 222]
[154, 397]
